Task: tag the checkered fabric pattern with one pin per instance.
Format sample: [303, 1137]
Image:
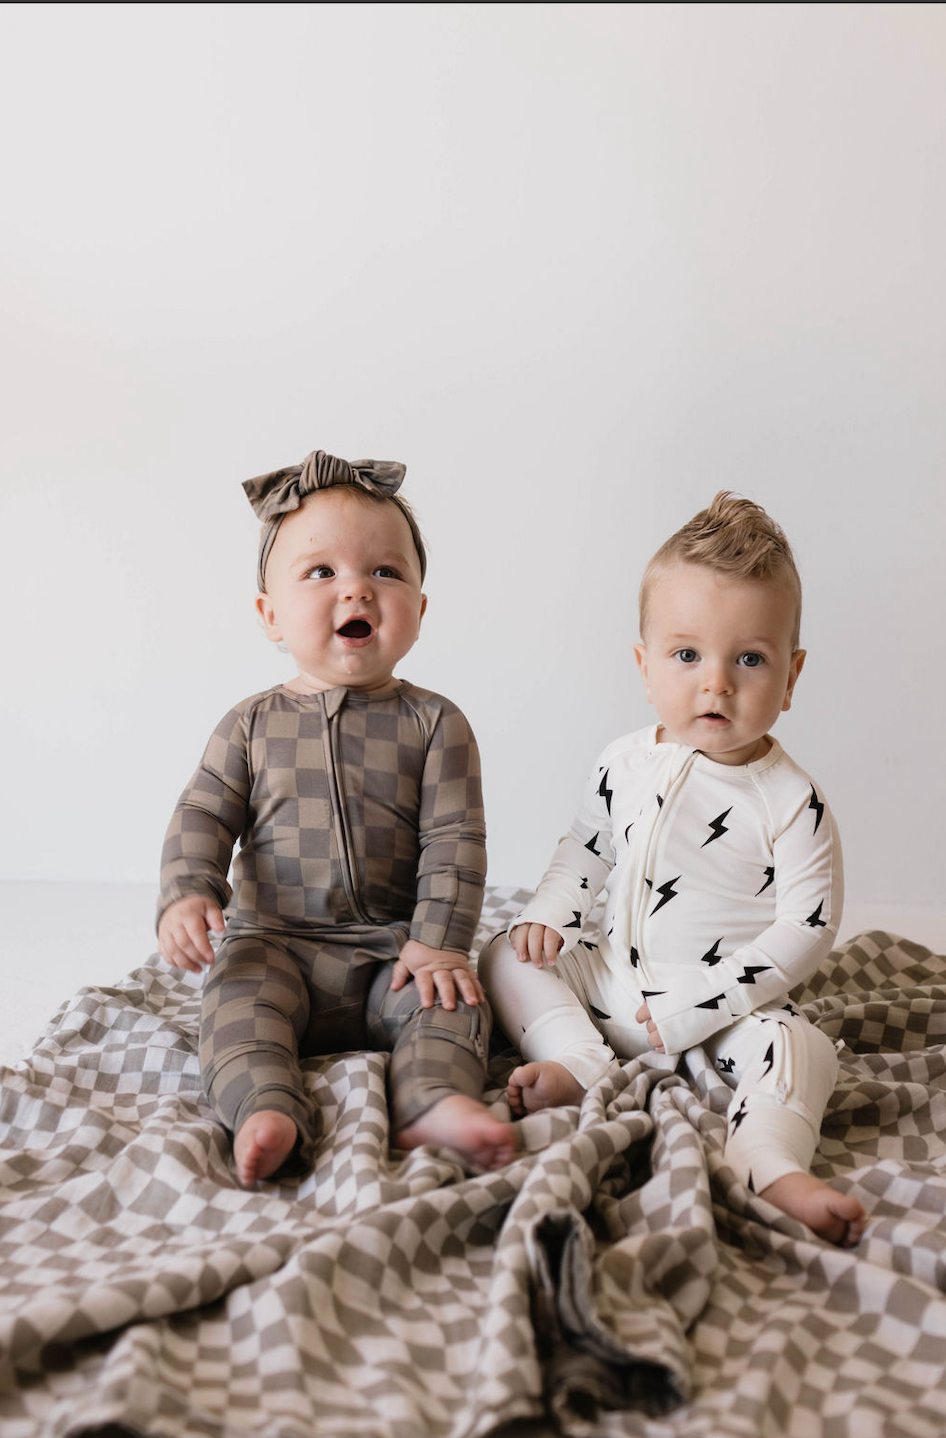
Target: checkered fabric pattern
[352, 809]
[613, 1280]
[265, 1002]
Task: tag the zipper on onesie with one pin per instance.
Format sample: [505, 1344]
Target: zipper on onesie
[645, 869]
[782, 1074]
[343, 839]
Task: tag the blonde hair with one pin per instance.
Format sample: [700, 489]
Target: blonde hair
[734, 537]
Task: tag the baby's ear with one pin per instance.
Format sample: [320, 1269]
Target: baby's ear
[640, 654]
[266, 612]
[794, 669]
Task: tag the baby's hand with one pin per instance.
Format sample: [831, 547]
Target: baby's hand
[182, 932]
[537, 944]
[436, 971]
[653, 1037]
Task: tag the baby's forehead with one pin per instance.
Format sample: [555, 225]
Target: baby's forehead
[343, 510]
[337, 519]
[699, 594]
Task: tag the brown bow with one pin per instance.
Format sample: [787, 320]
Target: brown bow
[278, 493]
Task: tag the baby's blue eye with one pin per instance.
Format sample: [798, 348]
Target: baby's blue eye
[751, 660]
[687, 656]
[320, 571]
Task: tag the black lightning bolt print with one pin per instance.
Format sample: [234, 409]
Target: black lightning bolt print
[635, 958]
[769, 878]
[598, 1013]
[749, 972]
[815, 920]
[591, 846]
[738, 1116]
[726, 1066]
[583, 884]
[660, 801]
[604, 791]
[712, 1003]
[718, 826]
[651, 993]
[712, 956]
[628, 830]
[586, 944]
[666, 892]
[816, 804]
[576, 921]
[769, 1060]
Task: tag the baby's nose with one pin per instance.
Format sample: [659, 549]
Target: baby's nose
[357, 588]
[716, 679]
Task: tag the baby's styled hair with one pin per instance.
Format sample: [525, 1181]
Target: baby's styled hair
[735, 537]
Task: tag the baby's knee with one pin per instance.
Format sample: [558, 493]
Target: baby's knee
[812, 1051]
[466, 1024]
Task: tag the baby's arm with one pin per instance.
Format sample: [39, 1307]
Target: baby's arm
[451, 871]
[209, 816]
[182, 932]
[577, 872]
[551, 923]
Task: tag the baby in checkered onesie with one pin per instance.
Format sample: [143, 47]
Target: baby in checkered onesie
[355, 800]
[721, 868]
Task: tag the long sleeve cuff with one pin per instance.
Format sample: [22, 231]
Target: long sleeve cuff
[685, 1028]
[447, 914]
[551, 912]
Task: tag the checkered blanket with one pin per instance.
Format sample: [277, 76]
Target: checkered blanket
[614, 1279]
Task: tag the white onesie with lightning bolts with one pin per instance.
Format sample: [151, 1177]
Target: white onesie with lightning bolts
[723, 889]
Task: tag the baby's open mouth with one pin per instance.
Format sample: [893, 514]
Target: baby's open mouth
[355, 629]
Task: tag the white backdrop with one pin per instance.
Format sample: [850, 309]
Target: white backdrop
[577, 266]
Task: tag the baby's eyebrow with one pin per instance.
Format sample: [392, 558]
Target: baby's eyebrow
[738, 646]
[395, 558]
[303, 560]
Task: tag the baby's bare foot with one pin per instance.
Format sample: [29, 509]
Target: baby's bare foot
[542, 1085]
[463, 1124]
[835, 1216]
[262, 1145]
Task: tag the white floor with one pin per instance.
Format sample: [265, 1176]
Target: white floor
[58, 938]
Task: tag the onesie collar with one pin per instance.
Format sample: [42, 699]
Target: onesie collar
[334, 699]
[702, 761]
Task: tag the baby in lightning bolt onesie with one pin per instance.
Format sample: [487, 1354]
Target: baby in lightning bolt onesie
[721, 871]
[355, 799]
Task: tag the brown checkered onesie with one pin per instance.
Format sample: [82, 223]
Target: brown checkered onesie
[360, 822]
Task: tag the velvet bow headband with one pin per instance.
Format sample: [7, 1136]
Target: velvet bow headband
[277, 494]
